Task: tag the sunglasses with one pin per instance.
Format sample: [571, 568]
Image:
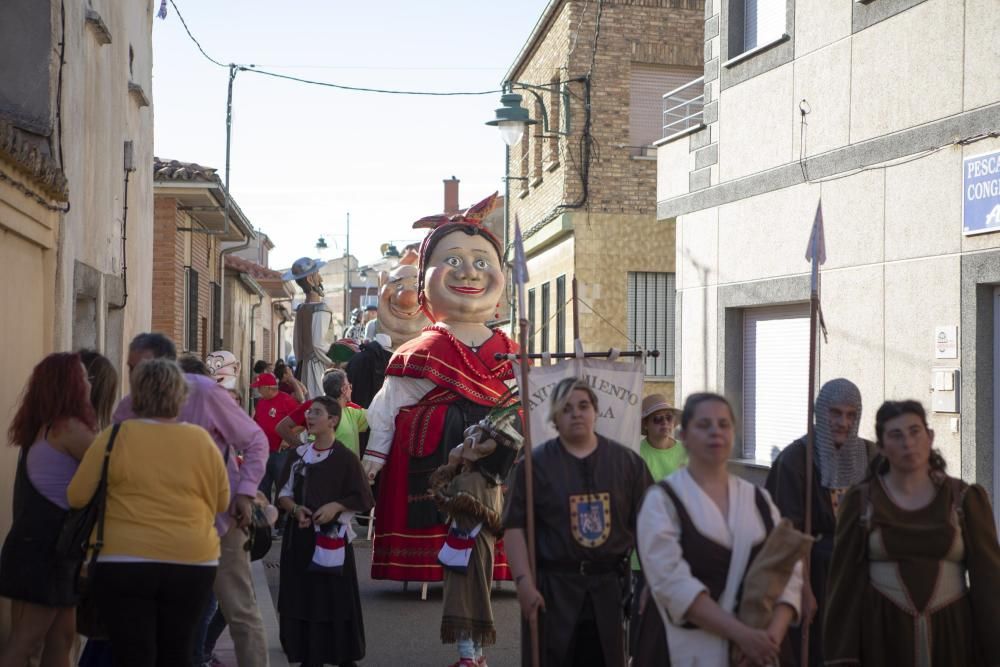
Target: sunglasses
[662, 419]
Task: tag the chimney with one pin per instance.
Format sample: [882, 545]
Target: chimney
[451, 196]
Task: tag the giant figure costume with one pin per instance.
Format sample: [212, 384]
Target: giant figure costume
[436, 385]
[312, 320]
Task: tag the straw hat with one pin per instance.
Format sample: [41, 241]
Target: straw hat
[656, 403]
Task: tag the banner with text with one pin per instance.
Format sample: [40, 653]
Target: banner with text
[618, 386]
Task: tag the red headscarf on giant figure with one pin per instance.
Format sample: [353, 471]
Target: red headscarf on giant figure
[463, 280]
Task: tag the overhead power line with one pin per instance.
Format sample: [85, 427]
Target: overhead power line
[325, 84]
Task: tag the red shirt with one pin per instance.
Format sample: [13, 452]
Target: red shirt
[269, 412]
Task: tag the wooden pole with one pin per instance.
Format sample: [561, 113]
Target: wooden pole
[529, 493]
[810, 438]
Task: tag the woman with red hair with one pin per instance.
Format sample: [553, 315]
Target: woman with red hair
[54, 425]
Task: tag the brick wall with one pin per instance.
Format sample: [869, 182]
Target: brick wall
[170, 257]
[168, 269]
[202, 245]
[616, 232]
[659, 32]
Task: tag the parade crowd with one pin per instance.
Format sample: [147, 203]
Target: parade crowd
[652, 554]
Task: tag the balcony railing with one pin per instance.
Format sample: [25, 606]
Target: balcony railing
[682, 108]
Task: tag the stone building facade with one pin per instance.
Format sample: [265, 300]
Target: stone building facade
[888, 112]
[584, 192]
[76, 201]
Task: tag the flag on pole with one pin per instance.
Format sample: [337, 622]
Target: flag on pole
[520, 268]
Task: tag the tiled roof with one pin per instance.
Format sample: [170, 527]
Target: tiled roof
[252, 268]
[175, 170]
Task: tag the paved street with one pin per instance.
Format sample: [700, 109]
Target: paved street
[401, 629]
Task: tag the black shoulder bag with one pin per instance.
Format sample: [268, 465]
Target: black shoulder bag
[74, 542]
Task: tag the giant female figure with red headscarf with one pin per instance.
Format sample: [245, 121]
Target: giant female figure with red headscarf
[436, 385]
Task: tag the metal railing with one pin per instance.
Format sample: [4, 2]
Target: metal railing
[683, 106]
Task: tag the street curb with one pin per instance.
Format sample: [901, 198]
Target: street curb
[268, 615]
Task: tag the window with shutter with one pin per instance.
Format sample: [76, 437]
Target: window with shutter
[763, 21]
[775, 378]
[650, 313]
[648, 85]
[216, 316]
[544, 318]
[191, 342]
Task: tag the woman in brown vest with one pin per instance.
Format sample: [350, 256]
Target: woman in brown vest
[698, 532]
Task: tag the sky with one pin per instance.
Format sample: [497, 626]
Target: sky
[303, 157]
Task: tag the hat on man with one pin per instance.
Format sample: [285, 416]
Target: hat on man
[264, 380]
[303, 266]
[342, 350]
[656, 403]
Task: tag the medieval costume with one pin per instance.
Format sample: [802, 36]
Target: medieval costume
[585, 521]
[435, 388]
[914, 588]
[318, 600]
[835, 470]
[688, 547]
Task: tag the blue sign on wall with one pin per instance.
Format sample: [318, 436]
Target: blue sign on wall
[981, 193]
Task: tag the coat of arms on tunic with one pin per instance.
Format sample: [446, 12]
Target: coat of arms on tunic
[590, 518]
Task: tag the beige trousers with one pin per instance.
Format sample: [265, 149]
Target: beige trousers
[234, 590]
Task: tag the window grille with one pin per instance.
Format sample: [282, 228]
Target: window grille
[530, 316]
[561, 314]
[545, 316]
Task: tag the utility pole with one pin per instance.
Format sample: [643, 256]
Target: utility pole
[347, 275]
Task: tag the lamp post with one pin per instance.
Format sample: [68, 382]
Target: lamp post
[511, 119]
[321, 245]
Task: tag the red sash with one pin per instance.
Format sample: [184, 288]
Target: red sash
[458, 372]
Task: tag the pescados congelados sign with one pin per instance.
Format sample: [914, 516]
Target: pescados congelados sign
[981, 193]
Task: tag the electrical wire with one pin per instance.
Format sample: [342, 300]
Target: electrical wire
[325, 84]
[193, 39]
[362, 89]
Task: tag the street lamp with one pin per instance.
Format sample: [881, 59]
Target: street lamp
[511, 118]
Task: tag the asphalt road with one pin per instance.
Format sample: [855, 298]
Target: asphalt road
[403, 631]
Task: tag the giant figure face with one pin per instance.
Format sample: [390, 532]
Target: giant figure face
[225, 368]
[463, 281]
[399, 314]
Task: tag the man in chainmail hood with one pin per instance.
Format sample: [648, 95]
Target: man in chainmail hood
[840, 460]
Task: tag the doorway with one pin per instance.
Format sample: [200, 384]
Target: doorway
[996, 406]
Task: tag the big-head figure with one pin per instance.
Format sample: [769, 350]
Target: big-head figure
[312, 320]
[437, 385]
[400, 316]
